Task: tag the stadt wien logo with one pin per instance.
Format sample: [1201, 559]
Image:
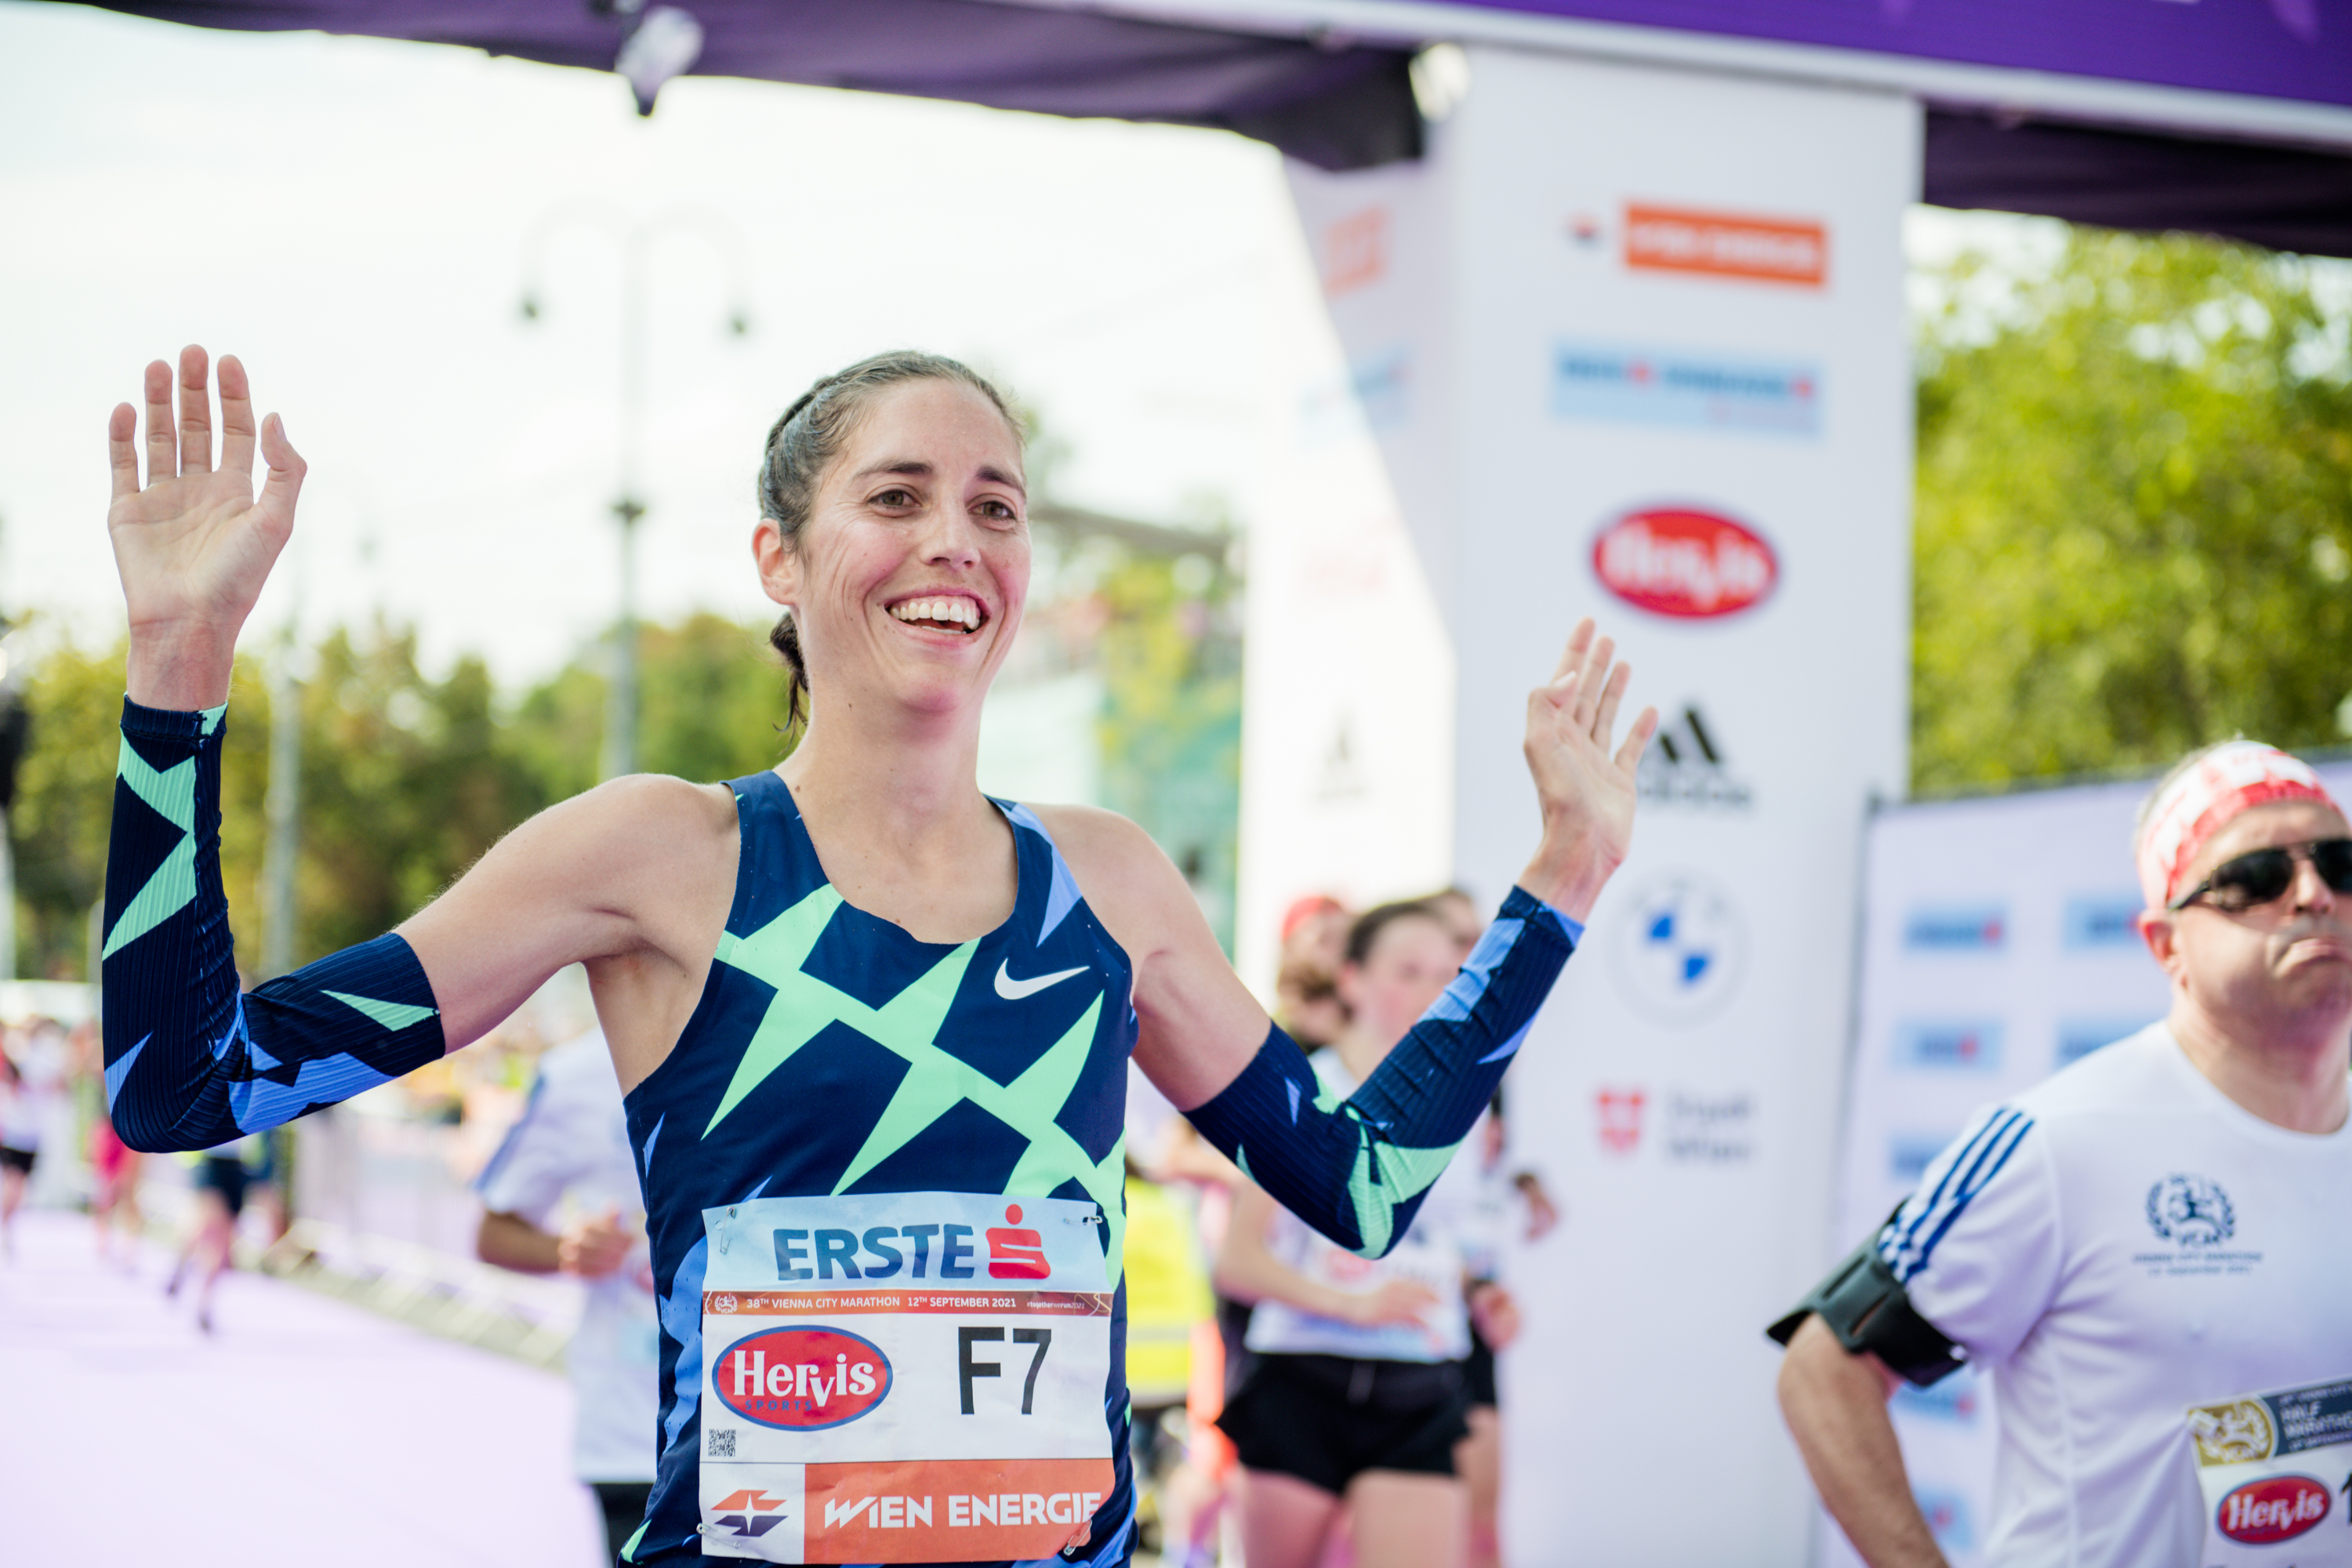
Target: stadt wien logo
[2191, 1210]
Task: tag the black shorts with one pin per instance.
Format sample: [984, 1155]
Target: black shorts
[1325, 1420]
[1478, 1372]
[621, 1505]
[224, 1174]
[19, 1160]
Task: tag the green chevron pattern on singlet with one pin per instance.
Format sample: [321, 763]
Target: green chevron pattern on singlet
[1405, 1173]
[908, 1025]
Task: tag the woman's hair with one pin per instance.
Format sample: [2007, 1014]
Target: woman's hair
[810, 434]
[1366, 931]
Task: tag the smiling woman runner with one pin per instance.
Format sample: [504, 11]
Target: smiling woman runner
[871, 1024]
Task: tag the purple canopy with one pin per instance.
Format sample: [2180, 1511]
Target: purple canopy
[1337, 107]
[2265, 48]
[1348, 103]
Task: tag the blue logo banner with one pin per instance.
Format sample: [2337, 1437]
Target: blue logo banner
[1963, 927]
[2096, 920]
[1685, 388]
[1956, 1045]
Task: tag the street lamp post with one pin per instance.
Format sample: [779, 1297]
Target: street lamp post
[636, 237]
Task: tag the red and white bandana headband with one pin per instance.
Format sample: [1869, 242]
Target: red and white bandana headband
[2226, 781]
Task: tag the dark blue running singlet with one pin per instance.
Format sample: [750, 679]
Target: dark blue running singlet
[832, 1053]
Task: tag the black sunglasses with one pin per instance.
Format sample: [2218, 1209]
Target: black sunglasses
[2261, 875]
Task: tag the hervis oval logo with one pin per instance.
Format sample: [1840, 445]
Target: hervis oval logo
[2279, 1508]
[1685, 561]
[801, 1380]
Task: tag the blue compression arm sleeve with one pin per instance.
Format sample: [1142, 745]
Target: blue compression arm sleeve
[1357, 1169]
[190, 1062]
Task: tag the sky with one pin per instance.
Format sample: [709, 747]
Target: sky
[358, 220]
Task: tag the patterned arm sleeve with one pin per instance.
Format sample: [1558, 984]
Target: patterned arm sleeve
[190, 1061]
[1358, 1168]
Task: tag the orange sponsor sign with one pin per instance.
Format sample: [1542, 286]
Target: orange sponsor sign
[950, 1510]
[1726, 245]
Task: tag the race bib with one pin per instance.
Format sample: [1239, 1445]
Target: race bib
[904, 1377]
[2274, 1467]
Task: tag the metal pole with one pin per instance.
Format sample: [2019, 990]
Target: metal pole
[618, 752]
[621, 706]
[282, 811]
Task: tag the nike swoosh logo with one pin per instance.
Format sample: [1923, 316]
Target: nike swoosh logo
[1013, 990]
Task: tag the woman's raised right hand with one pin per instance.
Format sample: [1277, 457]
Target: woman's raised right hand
[195, 544]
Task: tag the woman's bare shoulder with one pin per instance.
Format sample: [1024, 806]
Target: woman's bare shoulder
[647, 816]
[1128, 880]
[1091, 838]
[634, 843]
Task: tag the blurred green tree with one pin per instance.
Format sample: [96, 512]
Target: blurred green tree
[710, 700]
[407, 780]
[1171, 730]
[75, 697]
[2134, 511]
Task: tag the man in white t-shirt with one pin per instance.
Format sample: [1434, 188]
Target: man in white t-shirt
[562, 1195]
[2162, 1226]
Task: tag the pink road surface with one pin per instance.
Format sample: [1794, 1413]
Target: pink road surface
[302, 1432]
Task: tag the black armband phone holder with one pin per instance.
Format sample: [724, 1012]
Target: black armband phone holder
[1868, 1309]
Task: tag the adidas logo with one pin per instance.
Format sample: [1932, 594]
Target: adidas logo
[1685, 767]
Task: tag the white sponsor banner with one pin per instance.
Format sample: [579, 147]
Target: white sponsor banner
[1999, 943]
[1348, 711]
[1630, 344]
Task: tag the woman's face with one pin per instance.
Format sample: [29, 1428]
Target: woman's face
[908, 579]
[1412, 959]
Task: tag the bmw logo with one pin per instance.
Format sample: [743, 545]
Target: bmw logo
[1679, 948]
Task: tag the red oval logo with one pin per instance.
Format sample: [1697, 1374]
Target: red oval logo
[2277, 1509]
[1684, 562]
[801, 1380]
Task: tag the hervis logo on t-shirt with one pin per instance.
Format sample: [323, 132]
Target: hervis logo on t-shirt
[803, 1379]
[2277, 1507]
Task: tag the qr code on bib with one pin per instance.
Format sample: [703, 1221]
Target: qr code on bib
[722, 1443]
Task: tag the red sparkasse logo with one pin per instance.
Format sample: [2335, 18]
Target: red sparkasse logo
[1016, 1254]
[801, 1380]
[1726, 245]
[1685, 561]
[2279, 1508]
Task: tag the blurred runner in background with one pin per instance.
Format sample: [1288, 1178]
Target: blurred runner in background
[222, 1175]
[1193, 1490]
[114, 1165]
[560, 1196]
[1357, 1400]
[1493, 1321]
[20, 1147]
[32, 1105]
[114, 1168]
[1314, 933]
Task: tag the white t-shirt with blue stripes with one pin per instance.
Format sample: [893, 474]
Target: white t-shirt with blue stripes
[2113, 1246]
